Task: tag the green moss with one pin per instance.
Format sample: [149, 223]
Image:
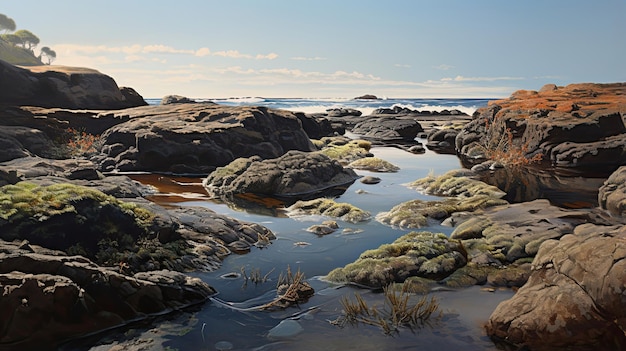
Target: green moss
[374, 164]
[345, 151]
[471, 229]
[78, 219]
[416, 254]
[331, 208]
[456, 183]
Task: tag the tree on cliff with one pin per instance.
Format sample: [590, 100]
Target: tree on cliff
[11, 39]
[48, 53]
[29, 40]
[7, 24]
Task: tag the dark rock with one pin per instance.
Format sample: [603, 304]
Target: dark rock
[342, 112]
[318, 127]
[442, 140]
[366, 97]
[59, 86]
[295, 174]
[16, 142]
[80, 297]
[388, 129]
[370, 180]
[197, 138]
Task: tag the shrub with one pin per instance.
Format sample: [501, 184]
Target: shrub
[498, 144]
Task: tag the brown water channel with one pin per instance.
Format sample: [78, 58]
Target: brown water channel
[214, 326]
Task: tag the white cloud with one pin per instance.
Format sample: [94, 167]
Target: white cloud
[302, 58]
[443, 67]
[479, 79]
[202, 52]
[402, 65]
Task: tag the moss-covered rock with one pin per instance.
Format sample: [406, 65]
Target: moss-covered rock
[456, 183]
[416, 213]
[64, 216]
[343, 149]
[330, 208]
[373, 164]
[416, 254]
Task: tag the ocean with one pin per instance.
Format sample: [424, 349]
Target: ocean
[366, 106]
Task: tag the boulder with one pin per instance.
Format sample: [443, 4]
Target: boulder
[196, 138]
[366, 97]
[296, 175]
[60, 86]
[330, 208]
[176, 99]
[387, 129]
[16, 142]
[574, 298]
[442, 140]
[49, 298]
[612, 194]
[578, 127]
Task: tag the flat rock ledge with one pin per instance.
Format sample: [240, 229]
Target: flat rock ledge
[49, 298]
[574, 297]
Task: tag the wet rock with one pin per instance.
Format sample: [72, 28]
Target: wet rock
[370, 180]
[416, 254]
[342, 112]
[574, 296]
[442, 140]
[295, 174]
[417, 149]
[81, 298]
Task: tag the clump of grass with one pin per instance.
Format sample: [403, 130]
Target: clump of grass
[398, 311]
[331, 208]
[498, 144]
[255, 276]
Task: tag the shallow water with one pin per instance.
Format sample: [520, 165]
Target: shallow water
[214, 326]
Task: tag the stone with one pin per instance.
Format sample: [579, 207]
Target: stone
[370, 180]
[387, 128]
[81, 297]
[61, 86]
[612, 194]
[176, 99]
[196, 138]
[330, 208]
[574, 296]
[373, 164]
[295, 175]
[577, 127]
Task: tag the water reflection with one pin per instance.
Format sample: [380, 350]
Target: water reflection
[527, 184]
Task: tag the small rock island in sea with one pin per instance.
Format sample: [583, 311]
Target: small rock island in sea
[82, 246]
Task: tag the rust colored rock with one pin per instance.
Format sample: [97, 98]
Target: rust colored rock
[579, 126]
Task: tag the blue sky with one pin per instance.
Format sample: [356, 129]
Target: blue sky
[340, 48]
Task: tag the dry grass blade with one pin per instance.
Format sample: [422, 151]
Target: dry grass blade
[398, 311]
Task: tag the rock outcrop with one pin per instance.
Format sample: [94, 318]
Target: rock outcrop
[574, 297]
[49, 297]
[195, 138]
[66, 87]
[295, 175]
[578, 127]
[387, 128]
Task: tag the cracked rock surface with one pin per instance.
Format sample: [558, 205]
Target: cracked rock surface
[575, 296]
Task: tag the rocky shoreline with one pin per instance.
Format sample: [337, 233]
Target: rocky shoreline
[82, 250]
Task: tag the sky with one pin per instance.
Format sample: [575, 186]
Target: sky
[333, 49]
